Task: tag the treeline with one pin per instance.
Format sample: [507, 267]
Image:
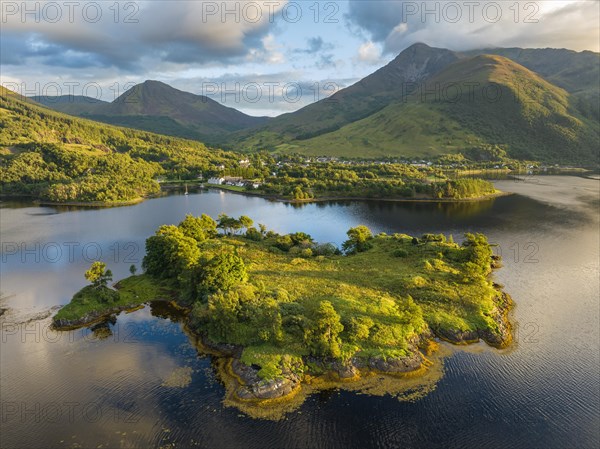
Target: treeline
[50, 172]
[370, 181]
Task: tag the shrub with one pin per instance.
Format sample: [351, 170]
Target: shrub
[400, 253]
[306, 253]
[325, 249]
[254, 234]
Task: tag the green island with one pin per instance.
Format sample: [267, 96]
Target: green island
[283, 311]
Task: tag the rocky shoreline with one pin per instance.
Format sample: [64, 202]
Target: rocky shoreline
[251, 388]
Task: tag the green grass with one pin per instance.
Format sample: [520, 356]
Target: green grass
[226, 187]
[131, 292]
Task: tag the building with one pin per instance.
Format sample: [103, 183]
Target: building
[217, 181]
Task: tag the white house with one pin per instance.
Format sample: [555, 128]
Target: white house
[218, 181]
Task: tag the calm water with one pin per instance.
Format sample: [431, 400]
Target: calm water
[97, 389]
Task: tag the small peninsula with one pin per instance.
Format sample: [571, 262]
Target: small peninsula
[282, 310]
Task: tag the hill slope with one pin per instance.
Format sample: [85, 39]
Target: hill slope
[455, 110]
[576, 72]
[157, 107]
[58, 157]
[69, 104]
[371, 94]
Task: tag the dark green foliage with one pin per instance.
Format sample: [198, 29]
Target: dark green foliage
[284, 242]
[199, 228]
[254, 234]
[222, 272]
[95, 294]
[359, 328]
[61, 158]
[325, 249]
[393, 180]
[358, 240]
[478, 256]
[322, 333]
[242, 315]
[169, 253]
[401, 253]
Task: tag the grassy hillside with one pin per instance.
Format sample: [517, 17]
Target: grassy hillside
[58, 157]
[531, 118]
[573, 71]
[353, 103]
[69, 104]
[576, 72]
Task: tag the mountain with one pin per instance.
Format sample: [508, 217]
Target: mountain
[157, 107]
[69, 104]
[576, 72]
[530, 118]
[382, 116]
[553, 115]
[573, 71]
[27, 125]
[353, 103]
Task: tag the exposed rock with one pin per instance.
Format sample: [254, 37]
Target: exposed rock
[398, 364]
[226, 349]
[347, 372]
[256, 388]
[496, 262]
[499, 338]
[90, 318]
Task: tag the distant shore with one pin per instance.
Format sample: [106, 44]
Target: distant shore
[496, 194]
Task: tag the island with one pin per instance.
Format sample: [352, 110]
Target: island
[282, 310]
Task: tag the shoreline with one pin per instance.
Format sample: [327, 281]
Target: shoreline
[496, 194]
[247, 390]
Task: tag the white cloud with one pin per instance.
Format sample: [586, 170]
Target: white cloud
[559, 24]
[369, 53]
[177, 32]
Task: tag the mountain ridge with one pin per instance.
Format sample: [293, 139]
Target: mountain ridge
[320, 127]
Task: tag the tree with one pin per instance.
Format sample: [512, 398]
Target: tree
[479, 255]
[246, 222]
[359, 328]
[98, 275]
[199, 228]
[358, 240]
[229, 224]
[133, 269]
[170, 252]
[222, 272]
[322, 335]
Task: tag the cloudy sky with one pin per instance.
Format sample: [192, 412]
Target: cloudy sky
[263, 57]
